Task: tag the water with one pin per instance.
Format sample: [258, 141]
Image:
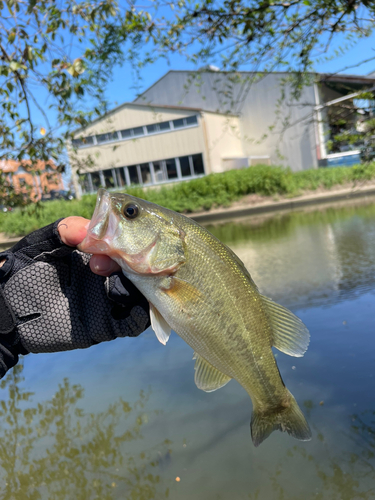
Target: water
[124, 420]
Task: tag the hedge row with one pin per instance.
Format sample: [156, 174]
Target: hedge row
[207, 192]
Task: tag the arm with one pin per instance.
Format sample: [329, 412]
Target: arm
[51, 300]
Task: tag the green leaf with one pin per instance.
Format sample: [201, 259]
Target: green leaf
[15, 66]
[11, 37]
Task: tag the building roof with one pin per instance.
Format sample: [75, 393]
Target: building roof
[342, 78]
[333, 77]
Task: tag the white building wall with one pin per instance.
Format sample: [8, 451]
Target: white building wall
[257, 103]
[144, 149]
[223, 137]
[128, 116]
[215, 136]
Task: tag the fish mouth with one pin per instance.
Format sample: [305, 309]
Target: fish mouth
[102, 227]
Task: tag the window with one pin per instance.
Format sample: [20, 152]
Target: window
[138, 131]
[108, 179]
[125, 134]
[110, 136]
[164, 126]
[191, 120]
[171, 168]
[159, 171]
[121, 180]
[185, 166]
[198, 164]
[88, 140]
[128, 133]
[133, 174]
[178, 123]
[83, 141]
[145, 173]
[151, 129]
[96, 182]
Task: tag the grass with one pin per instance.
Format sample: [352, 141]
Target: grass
[205, 193]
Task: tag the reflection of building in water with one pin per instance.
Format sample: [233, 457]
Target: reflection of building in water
[299, 266]
[304, 264]
[54, 449]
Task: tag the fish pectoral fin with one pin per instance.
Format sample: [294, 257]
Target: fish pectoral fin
[207, 377]
[182, 290]
[159, 325]
[290, 335]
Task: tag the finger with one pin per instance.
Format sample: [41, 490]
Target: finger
[72, 230]
[103, 265]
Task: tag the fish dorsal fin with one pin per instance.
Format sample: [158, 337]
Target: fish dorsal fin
[290, 335]
[207, 377]
[159, 325]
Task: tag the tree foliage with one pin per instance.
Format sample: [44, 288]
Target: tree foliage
[57, 57]
[54, 449]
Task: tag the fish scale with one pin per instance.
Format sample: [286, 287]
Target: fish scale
[199, 288]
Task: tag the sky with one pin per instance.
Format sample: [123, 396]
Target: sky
[121, 88]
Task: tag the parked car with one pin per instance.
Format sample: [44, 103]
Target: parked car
[5, 209]
[56, 194]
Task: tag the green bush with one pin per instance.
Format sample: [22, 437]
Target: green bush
[207, 192]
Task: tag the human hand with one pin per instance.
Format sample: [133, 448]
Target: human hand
[55, 298]
[72, 231]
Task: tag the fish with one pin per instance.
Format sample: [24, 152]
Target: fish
[199, 288]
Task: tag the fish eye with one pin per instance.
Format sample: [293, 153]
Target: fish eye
[130, 211]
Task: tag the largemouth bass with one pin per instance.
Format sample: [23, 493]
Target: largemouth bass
[199, 288]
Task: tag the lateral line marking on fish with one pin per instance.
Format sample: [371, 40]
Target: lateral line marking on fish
[241, 266]
[220, 277]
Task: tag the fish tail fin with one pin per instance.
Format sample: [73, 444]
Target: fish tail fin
[288, 419]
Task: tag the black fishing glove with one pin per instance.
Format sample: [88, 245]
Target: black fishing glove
[51, 301]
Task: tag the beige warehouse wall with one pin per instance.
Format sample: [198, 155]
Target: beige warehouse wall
[148, 148]
[223, 139]
[134, 116]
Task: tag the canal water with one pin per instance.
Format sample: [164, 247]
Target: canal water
[124, 420]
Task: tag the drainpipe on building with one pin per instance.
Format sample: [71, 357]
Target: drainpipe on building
[321, 146]
[205, 138]
[77, 187]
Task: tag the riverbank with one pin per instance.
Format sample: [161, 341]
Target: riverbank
[255, 205]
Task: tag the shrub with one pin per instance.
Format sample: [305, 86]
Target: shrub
[204, 193]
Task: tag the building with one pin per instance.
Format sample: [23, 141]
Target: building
[190, 124]
[33, 181]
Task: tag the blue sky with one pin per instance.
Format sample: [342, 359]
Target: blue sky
[121, 89]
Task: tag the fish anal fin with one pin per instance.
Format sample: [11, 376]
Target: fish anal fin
[207, 377]
[159, 325]
[289, 334]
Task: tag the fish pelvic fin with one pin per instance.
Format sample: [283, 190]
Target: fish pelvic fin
[289, 334]
[207, 377]
[288, 419]
[159, 325]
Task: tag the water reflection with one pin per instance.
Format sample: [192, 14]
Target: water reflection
[56, 450]
[345, 476]
[113, 442]
[310, 258]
